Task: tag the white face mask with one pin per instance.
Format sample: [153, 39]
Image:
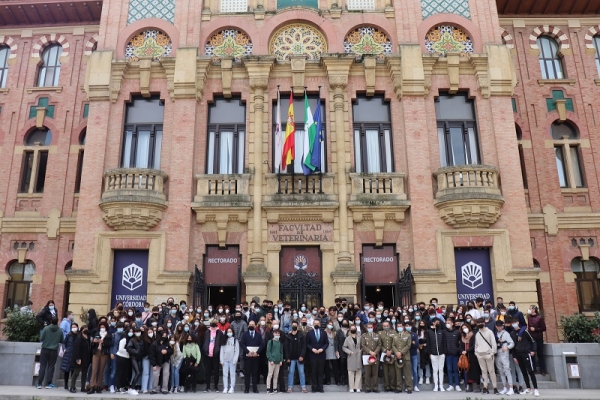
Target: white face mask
[220, 310]
[465, 330]
[150, 333]
[172, 342]
[263, 323]
[449, 326]
[275, 326]
[74, 330]
[138, 334]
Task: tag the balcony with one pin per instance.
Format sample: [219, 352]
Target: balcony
[288, 194]
[222, 200]
[468, 196]
[133, 198]
[377, 198]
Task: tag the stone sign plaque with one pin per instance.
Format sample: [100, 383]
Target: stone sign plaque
[301, 232]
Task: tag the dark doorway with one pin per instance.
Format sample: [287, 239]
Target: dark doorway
[226, 295]
[386, 293]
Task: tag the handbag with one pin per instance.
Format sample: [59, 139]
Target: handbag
[463, 363]
[61, 351]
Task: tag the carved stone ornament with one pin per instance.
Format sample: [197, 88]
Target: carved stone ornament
[259, 83]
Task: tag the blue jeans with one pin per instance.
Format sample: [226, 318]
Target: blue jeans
[452, 370]
[414, 363]
[146, 375]
[293, 364]
[174, 377]
[110, 371]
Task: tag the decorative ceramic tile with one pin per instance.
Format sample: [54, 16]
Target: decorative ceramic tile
[444, 39]
[358, 5]
[153, 43]
[297, 39]
[297, 3]
[228, 43]
[234, 6]
[367, 40]
[432, 7]
[140, 9]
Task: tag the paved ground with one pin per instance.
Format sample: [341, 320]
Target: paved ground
[30, 393]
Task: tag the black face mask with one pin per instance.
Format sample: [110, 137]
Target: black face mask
[480, 326]
[294, 328]
[286, 309]
[213, 325]
[344, 325]
[245, 308]
[422, 308]
[85, 332]
[250, 328]
[238, 317]
[304, 324]
[353, 331]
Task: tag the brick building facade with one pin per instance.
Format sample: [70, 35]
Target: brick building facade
[146, 132]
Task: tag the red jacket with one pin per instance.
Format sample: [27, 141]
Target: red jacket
[223, 327]
[537, 322]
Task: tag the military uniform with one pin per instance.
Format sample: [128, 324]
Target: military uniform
[401, 344]
[370, 343]
[386, 339]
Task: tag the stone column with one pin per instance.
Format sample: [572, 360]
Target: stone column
[345, 277]
[256, 275]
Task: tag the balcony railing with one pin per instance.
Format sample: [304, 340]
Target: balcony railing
[467, 181]
[300, 184]
[373, 189]
[135, 182]
[222, 189]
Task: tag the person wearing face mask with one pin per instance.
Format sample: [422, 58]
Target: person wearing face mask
[505, 345]
[316, 344]
[537, 327]
[340, 337]
[486, 348]
[155, 317]
[401, 349]
[228, 357]
[353, 349]
[45, 316]
[68, 343]
[223, 324]
[136, 350]
[211, 349]
[101, 345]
[467, 347]
[452, 337]
[386, 341]
[274, 354]
[176, 361]
[239, 326]
[191, 364]
[173, 317]
[514, 312]
[331, 357]
[65, 324]
[294, 350]
[111, 369]
[81, 359]
[159, 354]
[371, 347]
[251, 346]
[123, 370]
[523, 353]
[414, 353]
[436, 343]
[147, 375]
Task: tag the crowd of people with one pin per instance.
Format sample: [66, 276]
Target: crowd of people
[171, 348]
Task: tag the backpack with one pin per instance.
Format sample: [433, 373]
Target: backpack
[463, 363]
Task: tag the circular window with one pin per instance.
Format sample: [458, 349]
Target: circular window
[297, 39]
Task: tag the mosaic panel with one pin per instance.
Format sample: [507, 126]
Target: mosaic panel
[444, 39]
[234, 6]
[297, 39]
[367, 40]
[432, 7]
[359, 5]
[141, 9]
[151, 43]
[228, 43]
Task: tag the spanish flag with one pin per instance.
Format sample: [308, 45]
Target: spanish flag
[289, 140]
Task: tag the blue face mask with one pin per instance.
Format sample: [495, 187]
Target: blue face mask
[183, 307]
[119, 330]
[113, 323]
[400, 329]
[173, 312]
[303, 309]
[138, 321]
[187, 329]
[408, 329]
[130, 334]
[418, 317]
[51, 308]
[229, 334]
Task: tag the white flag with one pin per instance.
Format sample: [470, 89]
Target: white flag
[278, 137]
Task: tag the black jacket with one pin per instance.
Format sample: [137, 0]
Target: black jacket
[340, 338]
[436, 341]
[44, 317]
[295, 346]
[452, 342]
[525, 345]
[136, 348]
[218, 340]
[106, 344]
[82, 350]
[155, 355]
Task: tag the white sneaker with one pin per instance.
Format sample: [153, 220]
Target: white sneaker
[510, 392]
[435, 388]
[231, 391]
[525, 391]
[112, 388]
[357, 390]
[416, 389]
[536, 393]
[132, 392]
[225, 391]
[241, 374]
[442, 388]
[427, 381]
[458, 389]
[420, 380]
[450, 388]
[503, 391]
[351, 391]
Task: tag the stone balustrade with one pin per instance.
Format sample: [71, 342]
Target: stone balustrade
[222, 188]
[378, 189]
[134, 182]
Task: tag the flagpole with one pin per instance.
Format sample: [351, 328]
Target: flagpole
[319, 144]
[277, 140]
[294, 159]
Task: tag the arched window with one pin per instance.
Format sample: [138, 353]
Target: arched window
[567, 152]
[550, 61]
[19, 286]
[49, 70]
[587, 282]
[597, 46]
[80, 160]
[4, 53]
[35, 161]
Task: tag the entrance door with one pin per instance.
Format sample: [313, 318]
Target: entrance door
[221, 277]
[300, 276]
[380, 274]
[385, 293]
[225, 295]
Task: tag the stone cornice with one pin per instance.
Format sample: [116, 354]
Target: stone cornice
[338, 68]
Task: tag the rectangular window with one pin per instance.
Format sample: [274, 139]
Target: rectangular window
[226, 137]
[33, 171]
[26, 171]
[142, 139]
[4, 54]
[372, 135]
[300, 130]
[568, 166]
[560, 165]
[522, 160]
[79, 170]
[575, 166]
[457, 130]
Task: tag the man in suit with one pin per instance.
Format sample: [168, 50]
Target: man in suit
[251, 338]
[316, 343]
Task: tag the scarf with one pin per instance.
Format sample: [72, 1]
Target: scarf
[466, 339]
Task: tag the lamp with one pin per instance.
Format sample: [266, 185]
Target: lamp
[378, 289]
[221, 290]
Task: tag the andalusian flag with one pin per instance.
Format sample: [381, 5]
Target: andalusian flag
[310, 133]
[315, 149]
[278, 136]
[289, 140]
